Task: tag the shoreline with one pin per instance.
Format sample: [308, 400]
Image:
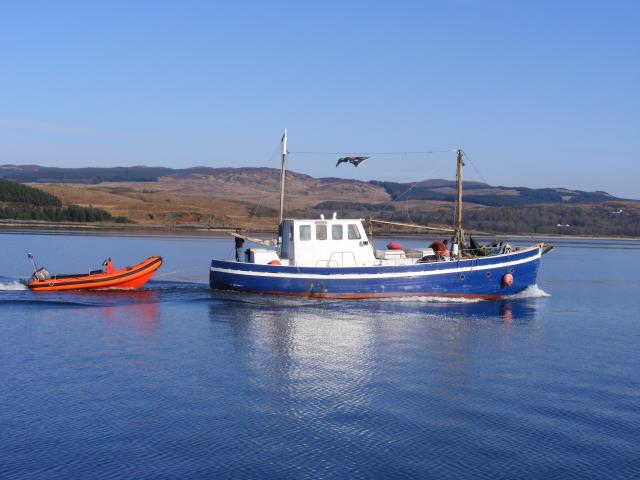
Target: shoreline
[43, 228]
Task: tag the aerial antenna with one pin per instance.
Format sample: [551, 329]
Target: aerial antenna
[33, 262]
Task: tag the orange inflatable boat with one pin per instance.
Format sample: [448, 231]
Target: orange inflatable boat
[129, 278]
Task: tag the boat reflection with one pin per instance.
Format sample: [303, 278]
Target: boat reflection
[339, 352]
[137, 310]
[306, 354]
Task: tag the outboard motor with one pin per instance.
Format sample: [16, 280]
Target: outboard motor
[38, 273]
[41, 274]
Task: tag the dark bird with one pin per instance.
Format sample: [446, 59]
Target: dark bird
[355, 161]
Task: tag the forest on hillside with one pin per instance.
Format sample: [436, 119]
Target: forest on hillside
[609, 219]
[21, 202]
[17, 193]
[497, 197]
[72, 213]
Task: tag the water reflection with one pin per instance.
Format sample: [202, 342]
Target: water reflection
[136, 309]
[338, 331]
[339, 356]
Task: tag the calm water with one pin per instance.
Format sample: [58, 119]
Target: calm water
[178, 382]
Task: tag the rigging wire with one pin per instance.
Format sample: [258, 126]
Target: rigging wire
[401, 153]
[408, 214]
[348, 152]
[482, 177]
[474, 167]
[397, 198]
[415, 184]
[258, 204]
[425, 227]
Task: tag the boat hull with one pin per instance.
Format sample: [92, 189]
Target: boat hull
[129, 278]
[481, 277]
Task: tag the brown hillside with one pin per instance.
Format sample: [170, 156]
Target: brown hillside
[227, 198]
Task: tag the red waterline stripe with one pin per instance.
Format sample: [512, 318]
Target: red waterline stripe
[363, 296]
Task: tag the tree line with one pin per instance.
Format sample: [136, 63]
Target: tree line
[608, 219]
[21, 202]
[72, 213]
[17, 193]
[525, 196]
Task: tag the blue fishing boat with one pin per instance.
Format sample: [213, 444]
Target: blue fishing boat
[334, 258]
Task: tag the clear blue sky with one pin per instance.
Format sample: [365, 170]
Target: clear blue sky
[538, 93]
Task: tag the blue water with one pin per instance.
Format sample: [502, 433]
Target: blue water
[175, 381]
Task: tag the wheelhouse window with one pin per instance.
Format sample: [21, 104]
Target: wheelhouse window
[337, 232]
[305, 232]
[353, 232]
[321, 231]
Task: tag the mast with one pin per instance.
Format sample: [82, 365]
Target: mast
[283, 169]
[458, 236]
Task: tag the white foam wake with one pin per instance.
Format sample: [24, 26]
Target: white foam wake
[12, 286]
[434, 299]
[533, 291]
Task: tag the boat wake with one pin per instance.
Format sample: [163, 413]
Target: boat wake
[52, 303]
[434, 299]
[166, 285]
[533, 291]
[12, 286]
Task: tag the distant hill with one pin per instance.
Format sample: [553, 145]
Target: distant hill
[38, 174]
[484, 194]
[96, 175]
[249, 198]
[434, 189]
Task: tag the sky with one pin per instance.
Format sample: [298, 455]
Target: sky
[538, 94]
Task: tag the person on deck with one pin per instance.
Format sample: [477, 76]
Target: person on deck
[239, 244]
[108, 266]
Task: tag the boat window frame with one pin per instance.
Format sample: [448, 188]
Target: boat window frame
[306, 227]
[337, 227]
[352, 232]
[319, 228]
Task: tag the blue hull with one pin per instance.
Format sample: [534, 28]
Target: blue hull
[474, 278]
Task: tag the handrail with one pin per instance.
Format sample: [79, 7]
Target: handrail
[355, 263]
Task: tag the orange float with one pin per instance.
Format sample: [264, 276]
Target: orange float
[507, 280]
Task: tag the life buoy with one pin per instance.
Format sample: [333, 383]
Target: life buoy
[394, 246]
[507, 280]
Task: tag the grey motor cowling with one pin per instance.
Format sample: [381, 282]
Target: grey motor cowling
[41, 274]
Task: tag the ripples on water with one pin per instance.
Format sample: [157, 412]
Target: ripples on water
[176, 381]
